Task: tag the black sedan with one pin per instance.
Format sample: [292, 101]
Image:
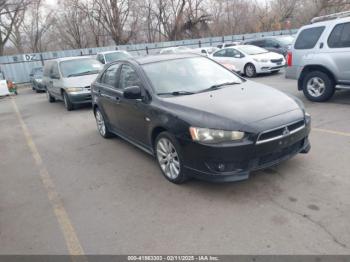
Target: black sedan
[198, 118]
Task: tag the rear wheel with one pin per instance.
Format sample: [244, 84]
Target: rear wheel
[101, 125]
[318, 86]
[67, 103]
[250, 70]
[169, 158]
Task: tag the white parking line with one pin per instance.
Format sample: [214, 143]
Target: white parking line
[333, 132]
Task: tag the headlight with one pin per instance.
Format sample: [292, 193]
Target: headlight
[38, 80]
[261, 60]
[74, 89]
[213, 136]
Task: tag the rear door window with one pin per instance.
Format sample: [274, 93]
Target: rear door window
[340, 36]
[308, 38]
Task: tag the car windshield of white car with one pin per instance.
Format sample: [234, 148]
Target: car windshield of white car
[80, 67]
[188, 75]
[111, 57]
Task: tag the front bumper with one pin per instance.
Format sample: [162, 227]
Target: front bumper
[80, 97]
[269, 67]
[235, 162]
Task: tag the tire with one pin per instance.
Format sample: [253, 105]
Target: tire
[67, 103]
[50, 98]
[250, 70]
[318, 86]
[101, 124]
[169, 158]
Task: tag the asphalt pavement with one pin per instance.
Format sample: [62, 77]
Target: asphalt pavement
[66, 190]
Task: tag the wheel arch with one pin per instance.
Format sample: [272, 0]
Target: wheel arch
[155, 132]
[313, 68]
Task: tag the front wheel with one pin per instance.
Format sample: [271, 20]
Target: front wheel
[50, 98]
[67, 103]
[101, 125]
[169, 158]
[250, 70]
[318, 86]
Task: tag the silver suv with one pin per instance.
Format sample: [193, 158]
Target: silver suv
[320, 57]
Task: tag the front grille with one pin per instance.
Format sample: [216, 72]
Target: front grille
[285, 152]
[281, 132]
[276, 61]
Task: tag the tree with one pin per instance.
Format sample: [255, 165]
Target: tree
[9, 12]
[37, 25]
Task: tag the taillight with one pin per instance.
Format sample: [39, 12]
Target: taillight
[290, 59]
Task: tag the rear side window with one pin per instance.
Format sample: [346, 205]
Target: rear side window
[308, 38]
[340, 36]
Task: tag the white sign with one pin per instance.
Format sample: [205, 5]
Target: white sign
[4, 91]
[29, 57]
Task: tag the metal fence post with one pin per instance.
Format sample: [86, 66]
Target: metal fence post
[147, 50]
[199, 43]
[42, 59]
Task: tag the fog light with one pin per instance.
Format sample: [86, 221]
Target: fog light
[221, 167]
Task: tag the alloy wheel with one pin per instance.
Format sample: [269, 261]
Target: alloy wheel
[100, 123]
[250, 71]
[316, 86]
[168, 158]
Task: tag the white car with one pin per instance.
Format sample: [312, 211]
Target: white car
[175, 50]
[205, 51]
[251, 60]
[111, 56]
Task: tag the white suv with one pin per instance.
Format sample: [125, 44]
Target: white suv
[320, 57]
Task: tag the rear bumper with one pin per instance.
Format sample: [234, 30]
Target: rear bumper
[236, 162]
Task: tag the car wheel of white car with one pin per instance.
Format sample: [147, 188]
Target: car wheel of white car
[250, 70]
[50, 98]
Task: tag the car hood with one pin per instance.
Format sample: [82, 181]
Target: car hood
[239, 105]
[79, 81]
[269, 55]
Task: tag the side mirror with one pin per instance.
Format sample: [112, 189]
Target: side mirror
[132, 92]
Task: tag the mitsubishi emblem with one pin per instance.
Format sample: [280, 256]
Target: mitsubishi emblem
[286, 131]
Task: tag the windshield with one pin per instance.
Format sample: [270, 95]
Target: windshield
[252, 50]
[111, 57]
[37, 72]
[78, 67]
[286, 40]
[187, 75]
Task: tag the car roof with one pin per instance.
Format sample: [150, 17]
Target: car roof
[71, 58]
[164, 57]
[328, 22]
[110, 52]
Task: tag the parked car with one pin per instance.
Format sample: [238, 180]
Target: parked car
[111, 56]
[197, 118]
[230, 66]
[175, 50]
[69, 79]
[277, 44]
[228, 44]
[251, 60]
[320, 57]
[36, 78]
[206, 51]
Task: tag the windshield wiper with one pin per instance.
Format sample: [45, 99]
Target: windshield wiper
[218, 86]
[177, 93]
[84, 73]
